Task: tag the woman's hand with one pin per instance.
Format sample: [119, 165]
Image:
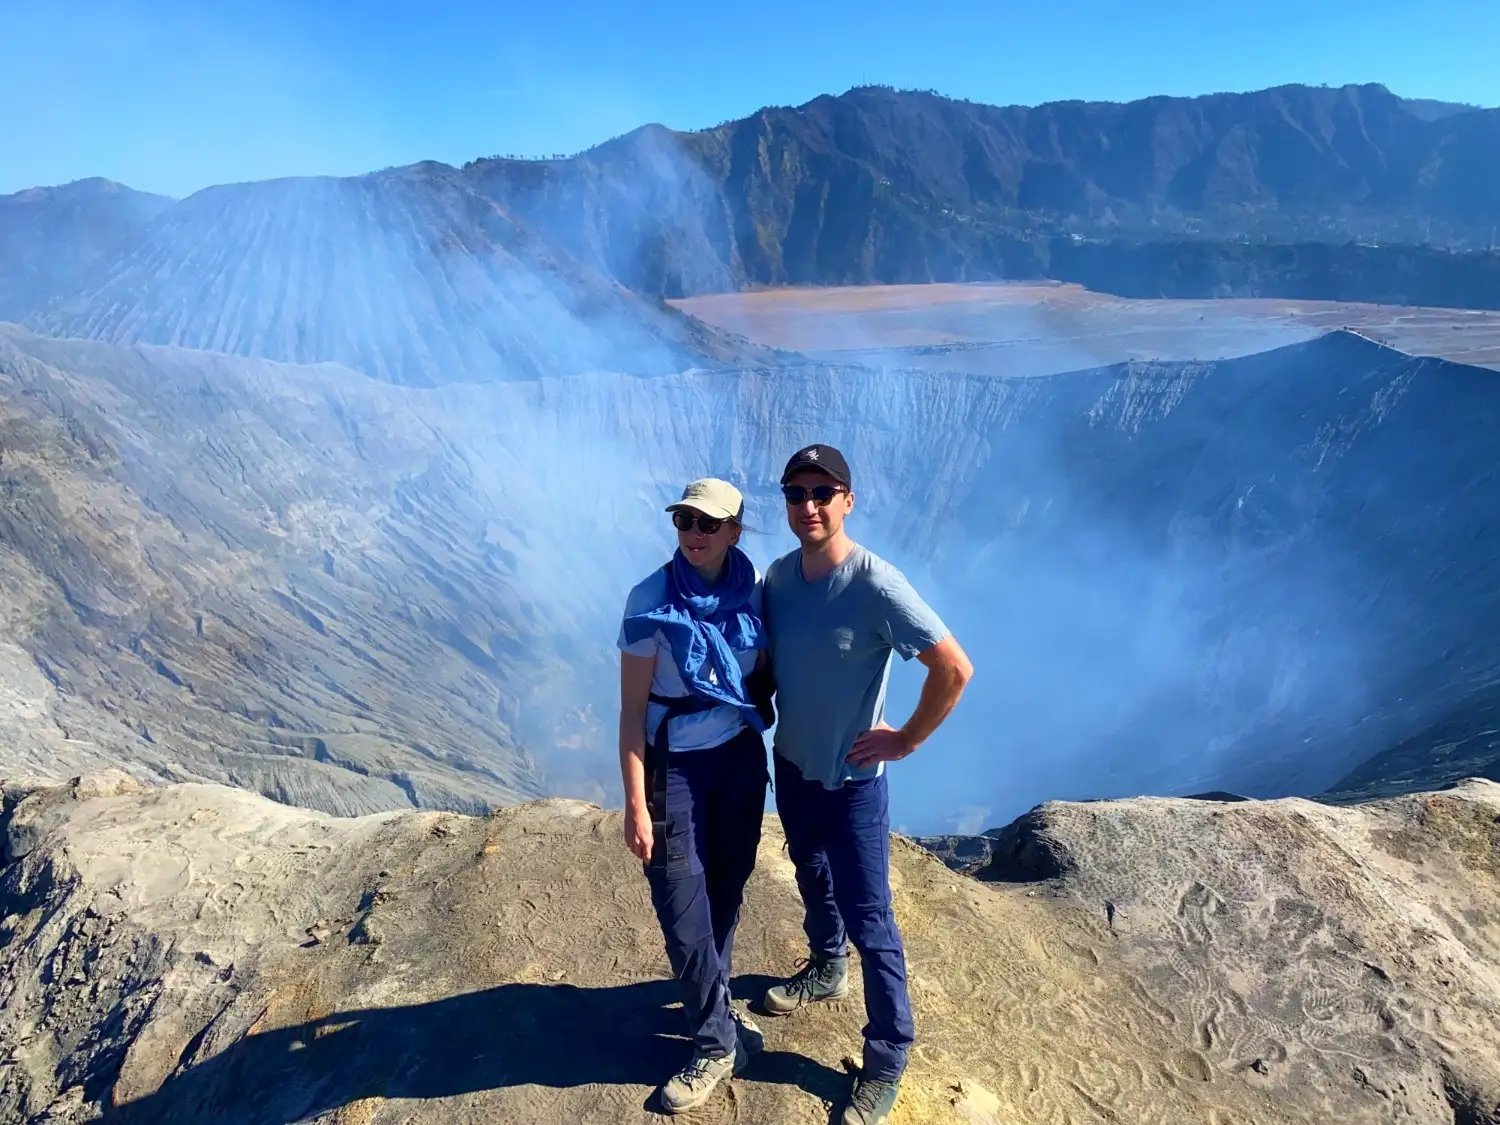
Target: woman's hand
[638, 832]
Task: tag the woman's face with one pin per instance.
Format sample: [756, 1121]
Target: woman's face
[704, 549]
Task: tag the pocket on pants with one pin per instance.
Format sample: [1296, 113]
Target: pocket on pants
[867, 806]
[679, 849]
[673, 852]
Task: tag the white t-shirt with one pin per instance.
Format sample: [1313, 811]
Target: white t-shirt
[699, 731]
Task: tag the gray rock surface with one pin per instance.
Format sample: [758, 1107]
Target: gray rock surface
[208, 574]
[195, 952]
[968, 855]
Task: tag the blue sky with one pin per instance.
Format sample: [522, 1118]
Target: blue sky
[172, 97]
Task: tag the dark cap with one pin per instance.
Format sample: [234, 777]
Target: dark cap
[823, 459]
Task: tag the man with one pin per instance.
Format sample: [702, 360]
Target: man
[835, 613]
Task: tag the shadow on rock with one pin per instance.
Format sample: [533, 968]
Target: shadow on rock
[552, 1035]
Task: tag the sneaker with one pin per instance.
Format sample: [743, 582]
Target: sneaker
[691, 1086]
[871, 1102]
[819, 978]
[751, 1037]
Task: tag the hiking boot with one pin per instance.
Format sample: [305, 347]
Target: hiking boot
[871, 1102]
[819, 978]
[751, 1038]
[691, 1086]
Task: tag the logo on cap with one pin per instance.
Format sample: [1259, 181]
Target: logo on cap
[811, 454]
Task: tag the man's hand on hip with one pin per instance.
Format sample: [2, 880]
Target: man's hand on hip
[883, 743]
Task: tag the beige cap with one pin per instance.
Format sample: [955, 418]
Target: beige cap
[712, 497]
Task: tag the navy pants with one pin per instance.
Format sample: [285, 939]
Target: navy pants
[715, 800]
[840, 843]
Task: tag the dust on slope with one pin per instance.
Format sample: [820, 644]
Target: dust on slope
[51, 237]
[408, 275]
[226, 570]
[196, 953]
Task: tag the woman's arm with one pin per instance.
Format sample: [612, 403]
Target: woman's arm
[760, 685]
[635, 693]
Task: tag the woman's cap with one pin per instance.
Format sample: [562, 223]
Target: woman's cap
[712, 497]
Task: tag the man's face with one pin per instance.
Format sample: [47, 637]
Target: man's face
[812, 522]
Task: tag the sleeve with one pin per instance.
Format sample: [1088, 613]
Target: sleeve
[763, 582]
[636, 603]
[907, 623]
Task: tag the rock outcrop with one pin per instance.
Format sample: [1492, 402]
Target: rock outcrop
[198, 953]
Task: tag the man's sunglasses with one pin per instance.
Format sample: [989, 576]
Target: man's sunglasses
[822, 494]
[684, 521]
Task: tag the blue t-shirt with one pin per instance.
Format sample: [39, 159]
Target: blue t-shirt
[699, 731]
[831, 645]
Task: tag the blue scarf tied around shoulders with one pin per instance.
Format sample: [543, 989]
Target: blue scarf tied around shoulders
[705, 626]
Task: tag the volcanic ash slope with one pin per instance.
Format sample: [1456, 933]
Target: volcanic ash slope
[198, 953]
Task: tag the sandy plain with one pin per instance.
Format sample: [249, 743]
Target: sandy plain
[1037, 329]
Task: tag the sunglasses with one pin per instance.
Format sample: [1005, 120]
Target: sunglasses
[822, 494]
[684, 521]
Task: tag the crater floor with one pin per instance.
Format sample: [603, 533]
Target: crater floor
[1039, 329]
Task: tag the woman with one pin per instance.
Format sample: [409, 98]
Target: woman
[694, 765]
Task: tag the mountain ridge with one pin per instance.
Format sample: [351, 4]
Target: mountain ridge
[513, 269]
[407, 275]
[878, 184]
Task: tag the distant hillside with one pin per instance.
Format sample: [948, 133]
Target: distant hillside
[1387, 275]
[409, 275]
[881, 185]
[50, 237]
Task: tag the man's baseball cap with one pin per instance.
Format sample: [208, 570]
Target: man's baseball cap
[824, 459]
[712, 497]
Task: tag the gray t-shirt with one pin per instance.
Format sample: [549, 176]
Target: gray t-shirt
[831, 645]
[705, 729]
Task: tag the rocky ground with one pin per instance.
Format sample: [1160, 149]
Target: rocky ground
[198, 953]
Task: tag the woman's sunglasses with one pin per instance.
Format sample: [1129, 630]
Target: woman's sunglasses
[822, 494]
[684, 521]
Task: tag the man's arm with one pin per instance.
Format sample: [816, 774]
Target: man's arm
[948, 673]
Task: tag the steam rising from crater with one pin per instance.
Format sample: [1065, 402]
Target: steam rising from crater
[1171, 576]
